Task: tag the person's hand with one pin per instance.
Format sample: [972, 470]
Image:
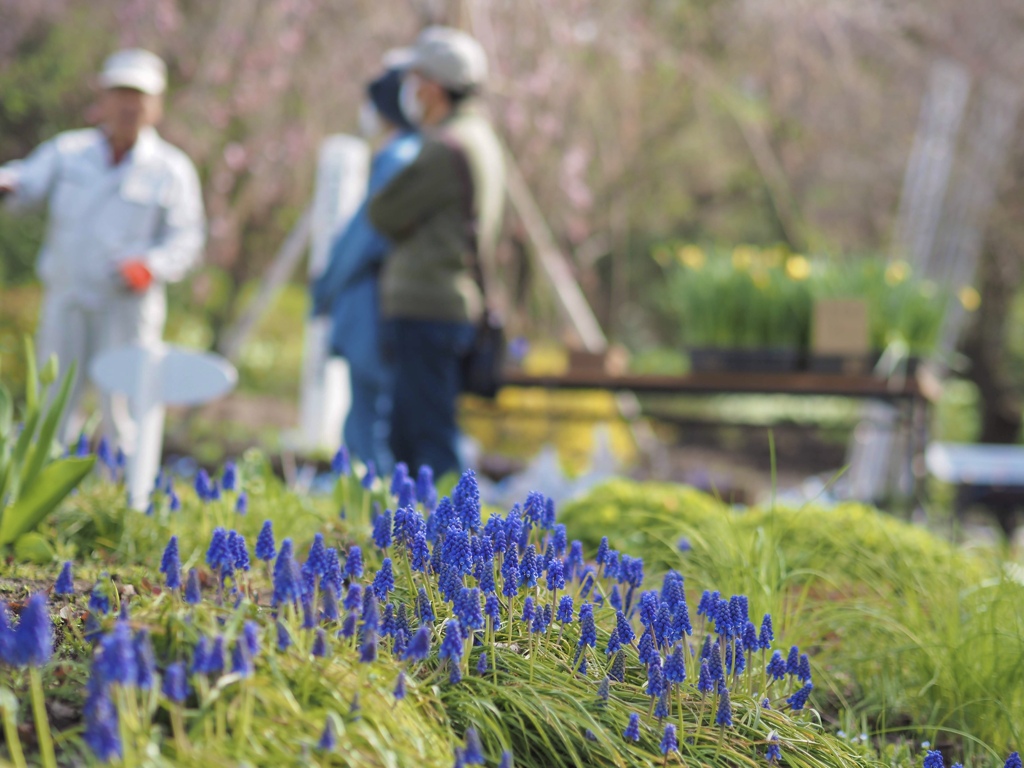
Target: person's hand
[6, 184]
[136, 275]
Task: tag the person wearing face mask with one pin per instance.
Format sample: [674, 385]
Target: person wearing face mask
[347, 290]
[125, 217]
[443, 213]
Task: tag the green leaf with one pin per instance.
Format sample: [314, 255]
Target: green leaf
[6, 412]
[31, 375]
[44, 442]
[33, 548]
[10, 482]
[36, 501]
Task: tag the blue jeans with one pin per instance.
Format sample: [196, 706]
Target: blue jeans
[366, 426]
[425, 358]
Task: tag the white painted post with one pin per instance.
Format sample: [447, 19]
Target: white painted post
[342, 174]
[153, 377]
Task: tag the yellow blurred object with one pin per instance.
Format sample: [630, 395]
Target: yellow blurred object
[969, 298]
[692, 256]
[546, 359]
[897, 272]
[774, 256]
[798, 268]
[743, 256]
[522, 420]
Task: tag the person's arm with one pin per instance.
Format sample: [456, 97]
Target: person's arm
[427, 185]
[180, 243]
[346, 252]
[359, 249]
[27, 183]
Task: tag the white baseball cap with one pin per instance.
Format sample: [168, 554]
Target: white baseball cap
[450, 57]
[137, 69]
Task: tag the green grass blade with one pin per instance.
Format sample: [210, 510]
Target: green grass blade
[44, 442]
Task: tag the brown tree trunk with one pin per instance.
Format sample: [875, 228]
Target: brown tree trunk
[985, 346]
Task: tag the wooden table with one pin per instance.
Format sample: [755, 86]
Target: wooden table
[798, 383]
[910, 395]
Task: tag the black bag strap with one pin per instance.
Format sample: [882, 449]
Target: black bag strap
[465, 174]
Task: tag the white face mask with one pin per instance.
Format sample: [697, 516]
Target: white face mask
[369, 121]
[409, 102]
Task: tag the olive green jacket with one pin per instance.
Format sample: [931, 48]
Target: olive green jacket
[422, 211]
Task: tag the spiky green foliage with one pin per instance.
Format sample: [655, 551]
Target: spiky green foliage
[531, 699]
[910, 631]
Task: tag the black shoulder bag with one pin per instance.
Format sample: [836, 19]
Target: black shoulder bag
[484, 363]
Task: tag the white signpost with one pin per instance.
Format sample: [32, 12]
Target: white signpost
[341, 179]
[153, 377]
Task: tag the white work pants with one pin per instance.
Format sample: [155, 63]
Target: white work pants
[78, 328]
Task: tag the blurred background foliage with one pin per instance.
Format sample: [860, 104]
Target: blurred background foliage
[785, 125]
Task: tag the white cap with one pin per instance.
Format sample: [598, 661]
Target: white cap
[449, 57]
[137, 69]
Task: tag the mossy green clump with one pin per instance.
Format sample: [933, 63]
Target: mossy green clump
[908, 630]
[530, 697]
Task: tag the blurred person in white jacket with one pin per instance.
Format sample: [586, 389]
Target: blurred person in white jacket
[125, 217]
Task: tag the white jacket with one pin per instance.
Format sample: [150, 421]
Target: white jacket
[148, 206]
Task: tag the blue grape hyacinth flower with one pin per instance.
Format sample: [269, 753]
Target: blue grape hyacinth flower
[328, 740]
[384, 580]
[33, 638]
[265, 547]
[117, 662]
[99, 602]
[65, 582]
[474, 754]
[451, 645]
[229, 477]
[320, 643]
[102, 734]
[724, 714]
[170, 564]
[354, 563]
[340, 462]
[669, 742]
[588, 629]
[767, 635]
[934, 759]
[400, 686]
[193, 594]
[774, 753]
[799, 699]
[144, 661]
[175, 683]
[776, 666]
[632, 732]
[419, 647]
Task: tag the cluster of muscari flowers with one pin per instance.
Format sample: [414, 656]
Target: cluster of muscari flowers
[112, 460]
[517, 570]
[207, 489]
[933, 759]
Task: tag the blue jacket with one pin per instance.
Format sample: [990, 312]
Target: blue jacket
[347, 289]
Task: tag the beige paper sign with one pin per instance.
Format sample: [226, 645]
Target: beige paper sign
[840, 327]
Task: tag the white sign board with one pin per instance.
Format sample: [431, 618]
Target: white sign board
[153, 377]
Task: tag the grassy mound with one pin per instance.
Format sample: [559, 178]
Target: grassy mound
[909, 632]
[538, 689]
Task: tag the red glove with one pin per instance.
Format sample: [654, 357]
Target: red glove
[136, 275]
